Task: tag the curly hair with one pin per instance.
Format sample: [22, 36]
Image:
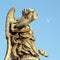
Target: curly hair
[26, 11]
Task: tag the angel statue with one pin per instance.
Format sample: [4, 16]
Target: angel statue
[19, 35]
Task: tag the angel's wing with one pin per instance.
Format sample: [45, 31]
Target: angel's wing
[10, 18]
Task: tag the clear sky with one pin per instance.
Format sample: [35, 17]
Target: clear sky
[46, 27]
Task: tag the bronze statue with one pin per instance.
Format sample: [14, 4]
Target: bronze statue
[20, 39]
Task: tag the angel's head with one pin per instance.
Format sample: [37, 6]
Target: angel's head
[29, 14]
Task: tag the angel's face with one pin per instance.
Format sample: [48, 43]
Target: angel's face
[29, 14]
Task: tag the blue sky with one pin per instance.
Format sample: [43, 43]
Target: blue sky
[46, 27]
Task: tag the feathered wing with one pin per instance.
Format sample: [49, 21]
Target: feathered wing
[10, 18]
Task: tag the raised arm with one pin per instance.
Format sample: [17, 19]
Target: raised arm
[28, 15]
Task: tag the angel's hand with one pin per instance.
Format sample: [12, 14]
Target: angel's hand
[43, 53]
